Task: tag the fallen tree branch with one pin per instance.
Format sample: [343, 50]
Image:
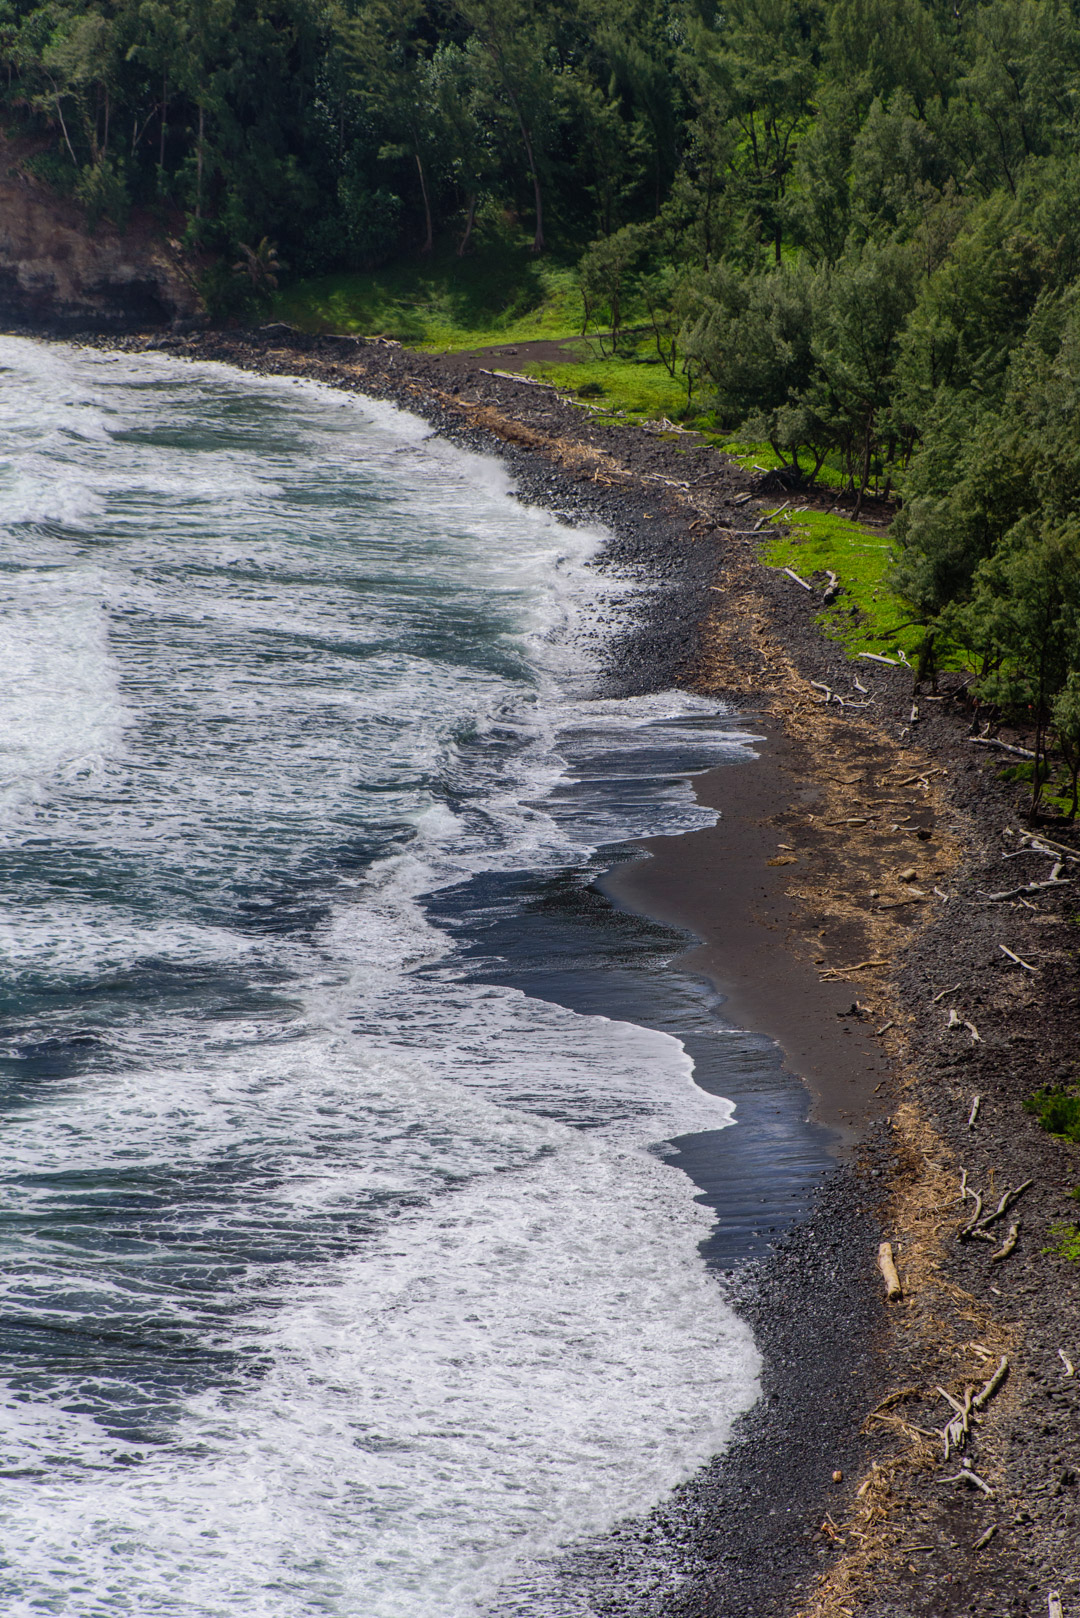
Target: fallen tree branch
[992, 1385]
[973, 1223]
[1009, 1243]
[1018, 959]
[1006, 747]
[842, 971]
[1007, 1200]
[1036, 840]
[923, 776]
[842, 702]
[966, 1475]
[895, 1398]
[956, 1431]
[793, 575]
[1031, 887]
[530, 381]
[961, 1409]
[978, 1226]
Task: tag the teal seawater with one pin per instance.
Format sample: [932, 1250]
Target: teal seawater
[337, 1278]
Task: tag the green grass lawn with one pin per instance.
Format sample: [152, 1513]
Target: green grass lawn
[819, 541]
[635, 388]
[499, 294]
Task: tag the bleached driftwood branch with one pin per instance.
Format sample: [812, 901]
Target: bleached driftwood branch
[887, 1266]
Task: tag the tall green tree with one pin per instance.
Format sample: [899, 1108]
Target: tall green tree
[516, 37]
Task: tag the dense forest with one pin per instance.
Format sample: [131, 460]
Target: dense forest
[853, 224]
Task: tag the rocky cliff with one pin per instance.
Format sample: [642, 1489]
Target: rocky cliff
[57, 275]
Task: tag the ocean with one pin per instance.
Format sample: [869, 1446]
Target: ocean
[348, 1263]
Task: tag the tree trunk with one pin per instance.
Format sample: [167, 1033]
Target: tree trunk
[926, 668]
[63, 126]
[538, 238]
[1037, 776]
[864, 476]
[429, 238]
[164, 116]
[469, 222]
[199, 164]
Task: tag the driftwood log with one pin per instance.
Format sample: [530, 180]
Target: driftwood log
[1004, 747]
[887, 1266]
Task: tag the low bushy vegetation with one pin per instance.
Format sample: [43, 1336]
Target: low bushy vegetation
[1058, 1110]
[1066, 1241]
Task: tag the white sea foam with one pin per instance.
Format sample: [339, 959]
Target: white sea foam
[60, 711]
[335, 1282]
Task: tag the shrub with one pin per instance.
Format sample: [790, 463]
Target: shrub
[1058, 1110]
[1066, 1240]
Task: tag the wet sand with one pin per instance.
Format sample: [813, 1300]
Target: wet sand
[717, 883]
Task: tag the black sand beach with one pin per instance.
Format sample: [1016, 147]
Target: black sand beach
[842, 956]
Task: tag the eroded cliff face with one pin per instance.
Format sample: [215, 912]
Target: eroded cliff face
[57, 275]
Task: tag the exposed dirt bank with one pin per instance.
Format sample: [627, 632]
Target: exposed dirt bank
[865, 867]
[57, 274]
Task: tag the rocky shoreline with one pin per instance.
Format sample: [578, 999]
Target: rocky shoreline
[851, 1386]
